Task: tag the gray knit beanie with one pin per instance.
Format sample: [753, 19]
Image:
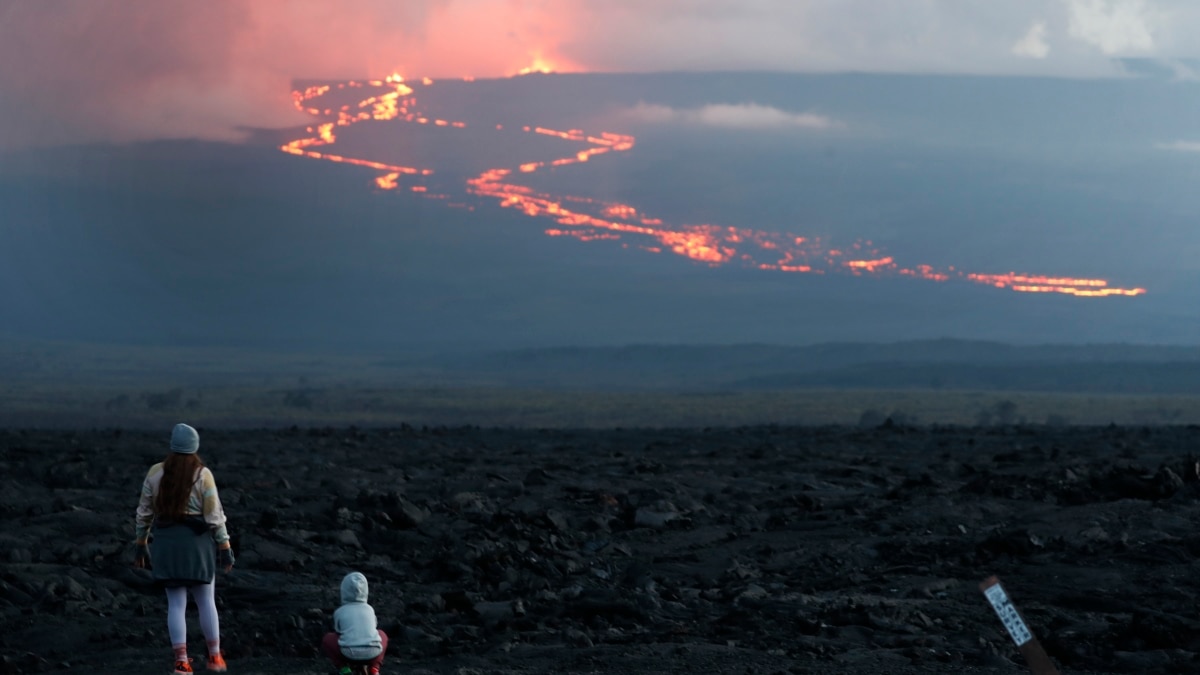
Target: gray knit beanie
[184, 439]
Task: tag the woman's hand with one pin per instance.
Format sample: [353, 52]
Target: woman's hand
[141, 556]
[225, 557]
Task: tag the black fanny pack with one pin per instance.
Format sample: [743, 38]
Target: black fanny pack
[194, 523]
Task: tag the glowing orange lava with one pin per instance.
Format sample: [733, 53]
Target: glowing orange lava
[587, 219]
[539, 65]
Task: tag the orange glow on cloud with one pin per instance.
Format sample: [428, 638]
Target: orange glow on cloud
[113, 70]
[589, 220]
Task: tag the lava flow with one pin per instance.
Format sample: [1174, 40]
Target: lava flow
[587, 219]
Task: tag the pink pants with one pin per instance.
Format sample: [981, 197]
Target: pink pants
[330, 646]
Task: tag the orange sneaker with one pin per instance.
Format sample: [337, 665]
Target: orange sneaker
[216, 662]
[183, 667]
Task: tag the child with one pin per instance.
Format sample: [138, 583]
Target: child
[356, 640]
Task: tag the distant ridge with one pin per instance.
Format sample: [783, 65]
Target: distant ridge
[946, 363]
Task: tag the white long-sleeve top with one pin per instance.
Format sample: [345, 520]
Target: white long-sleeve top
[203, 501]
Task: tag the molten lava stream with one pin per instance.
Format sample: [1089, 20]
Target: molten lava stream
[589, 219]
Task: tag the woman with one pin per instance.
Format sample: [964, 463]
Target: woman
[179, 517]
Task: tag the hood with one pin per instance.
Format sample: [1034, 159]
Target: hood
[354, 588]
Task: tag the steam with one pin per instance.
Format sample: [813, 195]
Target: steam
[739, 116]
[1180, 146]
[1033, 45]
[1113, 26]
[115, 70]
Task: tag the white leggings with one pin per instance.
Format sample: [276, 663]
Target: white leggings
[206, 602]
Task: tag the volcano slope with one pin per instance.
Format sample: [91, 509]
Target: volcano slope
[747, 550]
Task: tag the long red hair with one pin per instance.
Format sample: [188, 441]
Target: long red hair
[180, 472]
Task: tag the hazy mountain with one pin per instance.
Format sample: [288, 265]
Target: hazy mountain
[201, 243]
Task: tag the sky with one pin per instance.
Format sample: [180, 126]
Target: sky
[118, 70]
[145, 196]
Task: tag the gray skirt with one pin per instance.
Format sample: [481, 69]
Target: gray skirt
[183, 554]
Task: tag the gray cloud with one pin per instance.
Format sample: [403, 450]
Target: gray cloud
[1115, 27]
[732, 116]
[1033, 44]
[1180, 146]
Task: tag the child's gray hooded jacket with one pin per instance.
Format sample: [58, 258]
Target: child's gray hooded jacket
[354, 621]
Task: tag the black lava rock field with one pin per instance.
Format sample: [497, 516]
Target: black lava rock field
[731, 550]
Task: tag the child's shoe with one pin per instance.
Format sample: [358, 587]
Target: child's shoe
[183, 667]
[216, 662]
[373, 670]
[345, 670]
